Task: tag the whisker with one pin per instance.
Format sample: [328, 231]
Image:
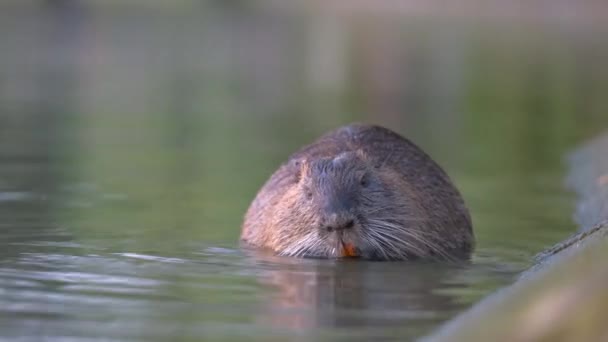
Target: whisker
[383, 231]
[392, 238]
[377, 245]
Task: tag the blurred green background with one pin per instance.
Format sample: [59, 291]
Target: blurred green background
[182, 110]
[148, 126]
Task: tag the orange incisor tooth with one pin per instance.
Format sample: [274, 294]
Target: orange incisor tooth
[349, 250]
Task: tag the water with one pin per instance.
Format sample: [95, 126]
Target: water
[133, 138]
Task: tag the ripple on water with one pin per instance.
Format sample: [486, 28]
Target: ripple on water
[152, 258]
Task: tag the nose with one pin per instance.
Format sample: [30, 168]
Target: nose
[337, 222]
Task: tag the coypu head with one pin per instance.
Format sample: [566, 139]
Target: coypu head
[344, 206]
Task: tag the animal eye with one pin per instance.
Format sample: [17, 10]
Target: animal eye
[364, 181]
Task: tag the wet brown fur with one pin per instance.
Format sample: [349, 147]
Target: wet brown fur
[403, 204]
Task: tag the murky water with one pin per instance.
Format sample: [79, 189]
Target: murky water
[133, 139]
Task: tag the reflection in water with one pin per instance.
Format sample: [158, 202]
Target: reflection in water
[351, 295]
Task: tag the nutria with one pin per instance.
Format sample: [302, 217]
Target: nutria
[360, 191]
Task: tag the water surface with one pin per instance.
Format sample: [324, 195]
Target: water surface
[133, 139]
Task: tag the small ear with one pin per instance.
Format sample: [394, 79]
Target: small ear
[297, 163]
[295, 167]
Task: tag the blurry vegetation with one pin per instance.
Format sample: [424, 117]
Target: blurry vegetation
[171, 116]
[143, 126]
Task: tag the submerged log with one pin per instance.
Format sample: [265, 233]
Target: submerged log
[564, 295]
